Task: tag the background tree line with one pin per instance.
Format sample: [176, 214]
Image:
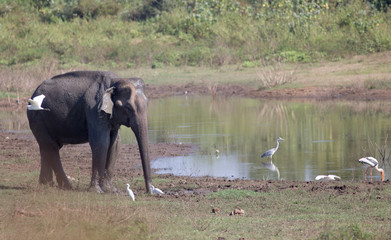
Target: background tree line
[158, 33]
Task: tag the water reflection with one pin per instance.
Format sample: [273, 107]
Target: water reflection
[270, 165]
[322, 137]
[14, 120]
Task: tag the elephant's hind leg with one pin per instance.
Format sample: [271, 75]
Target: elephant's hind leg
[50, 161]
[46, 173]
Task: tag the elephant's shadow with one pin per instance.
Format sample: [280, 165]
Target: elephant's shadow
[3, 187]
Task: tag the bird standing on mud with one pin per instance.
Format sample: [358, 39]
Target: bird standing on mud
[156, 190]
[371, 162]
[270, 152]
[130, 192]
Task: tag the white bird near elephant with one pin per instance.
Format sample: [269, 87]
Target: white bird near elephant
[371, 162]
[130, 192]
[36, 102]
[156, 190]
[329, 177]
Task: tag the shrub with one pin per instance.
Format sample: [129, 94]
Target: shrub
[274, 73]
[293, 56]
[249, 64]
[199, 32]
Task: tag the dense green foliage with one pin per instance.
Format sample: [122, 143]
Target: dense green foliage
[132, 33]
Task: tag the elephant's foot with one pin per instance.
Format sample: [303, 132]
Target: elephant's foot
[64, 184]
[108, 186]
[96, 188]
[46, 180]
[48, 183]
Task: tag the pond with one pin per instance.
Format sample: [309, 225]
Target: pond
[321, 137]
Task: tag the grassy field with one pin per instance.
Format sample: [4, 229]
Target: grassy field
[326, 43]
[363, 71]
[343, 210]
[272, 210]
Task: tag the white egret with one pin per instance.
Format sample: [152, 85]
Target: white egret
[71, 178]
[371, 162]
[36, 102]
[130, 192]
[270, 152]
[329, 177]
[156, 190]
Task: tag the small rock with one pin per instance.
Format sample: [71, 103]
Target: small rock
[237, 211]
[215, 210]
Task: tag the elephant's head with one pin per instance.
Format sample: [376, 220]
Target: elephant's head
[126, 103]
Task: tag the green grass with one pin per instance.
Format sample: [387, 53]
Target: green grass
[41, 212]
[361, 71]
[205, 33]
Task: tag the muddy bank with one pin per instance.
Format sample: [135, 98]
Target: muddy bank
[310, 93]
[20, 154]
[318, 93]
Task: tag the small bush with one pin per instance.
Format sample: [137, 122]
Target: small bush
[293, 56]
[377, 84]
[249, 64]
[274, 73]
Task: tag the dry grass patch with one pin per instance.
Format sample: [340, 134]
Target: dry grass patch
[54, 214]
[274, 73]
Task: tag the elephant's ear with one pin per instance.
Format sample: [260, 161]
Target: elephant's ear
[106, 104]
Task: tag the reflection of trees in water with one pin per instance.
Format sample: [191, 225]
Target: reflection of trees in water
[356, 107]
[275, 114]
[328, 134]
[14, 120]
[245, 123]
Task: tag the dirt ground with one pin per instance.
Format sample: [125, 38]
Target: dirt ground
[20, 151]
[318, 93]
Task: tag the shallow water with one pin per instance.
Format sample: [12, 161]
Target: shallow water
[321, 137]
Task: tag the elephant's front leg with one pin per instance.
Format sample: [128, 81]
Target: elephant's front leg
[110, 162]
[99, 146]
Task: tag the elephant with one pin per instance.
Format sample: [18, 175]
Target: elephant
[89, 106]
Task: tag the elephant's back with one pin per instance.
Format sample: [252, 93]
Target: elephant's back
[68, 96]
[68, 89]
[79, 81]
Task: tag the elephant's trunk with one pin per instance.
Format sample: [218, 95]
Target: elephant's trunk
[141, 132]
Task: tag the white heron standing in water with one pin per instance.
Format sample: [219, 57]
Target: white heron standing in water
[130, 192]
[36, 102]
[371, 162]
[270, 152]
[156, 190]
